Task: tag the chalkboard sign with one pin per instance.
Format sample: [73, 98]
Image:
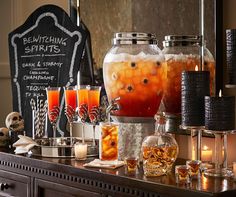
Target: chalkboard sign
[45, 51]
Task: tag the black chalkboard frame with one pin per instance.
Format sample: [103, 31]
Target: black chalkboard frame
[67, 76]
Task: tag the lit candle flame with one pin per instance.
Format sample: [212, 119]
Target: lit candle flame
[196, 68]
[205, 147]
[220, 93]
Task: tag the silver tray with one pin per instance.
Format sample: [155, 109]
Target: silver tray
[61, 147]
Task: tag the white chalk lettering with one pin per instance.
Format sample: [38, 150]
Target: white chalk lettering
[52, 64]
[37, 94]
[38, 64]
[35, 88]
[35, 72]
[38, 77]
[30, 65]
[42, 48]
[27, 94]
[45, 40]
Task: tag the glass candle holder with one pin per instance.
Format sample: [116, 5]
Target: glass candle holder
[81, 151]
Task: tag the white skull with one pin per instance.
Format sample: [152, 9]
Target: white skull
[15, 122]
[4, 136]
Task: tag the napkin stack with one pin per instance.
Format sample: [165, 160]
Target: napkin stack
[24, 144]
[97, 163]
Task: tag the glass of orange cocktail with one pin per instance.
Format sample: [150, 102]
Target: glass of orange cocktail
[53, 99]
[70, 104]
[93, 106]
[82, 98]
[109, 141]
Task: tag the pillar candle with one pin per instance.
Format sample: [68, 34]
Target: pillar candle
[206, 154]
[220, 113]
[195, 85]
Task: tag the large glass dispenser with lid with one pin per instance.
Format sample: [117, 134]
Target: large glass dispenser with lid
[134, 71]
[182, 53]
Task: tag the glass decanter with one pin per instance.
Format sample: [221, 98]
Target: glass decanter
[160, 150]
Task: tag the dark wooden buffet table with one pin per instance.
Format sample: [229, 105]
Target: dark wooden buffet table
[48, 177]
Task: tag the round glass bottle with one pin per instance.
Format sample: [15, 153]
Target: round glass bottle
[133, 70]
[182, 53]
[160, 150]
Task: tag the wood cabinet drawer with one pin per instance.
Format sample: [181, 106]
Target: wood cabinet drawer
[14, 184]
[44, 188]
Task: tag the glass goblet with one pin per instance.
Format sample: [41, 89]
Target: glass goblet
[70, 105]
[82, 97]
[93, 107]
[53, 100]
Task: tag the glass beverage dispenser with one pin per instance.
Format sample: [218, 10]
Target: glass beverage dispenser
[182, 53]
[134, 71]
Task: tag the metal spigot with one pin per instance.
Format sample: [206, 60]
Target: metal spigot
[113, 106]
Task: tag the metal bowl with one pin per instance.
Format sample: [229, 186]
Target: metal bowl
[61, 147]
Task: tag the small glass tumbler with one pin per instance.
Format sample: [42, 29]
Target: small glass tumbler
[182, 174]
[108, 141]
[131, 164]
[80, 151]
[194, 168]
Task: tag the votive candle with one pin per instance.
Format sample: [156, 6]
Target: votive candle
[80, 151]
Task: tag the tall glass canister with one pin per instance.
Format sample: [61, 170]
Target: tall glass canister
[182, 53]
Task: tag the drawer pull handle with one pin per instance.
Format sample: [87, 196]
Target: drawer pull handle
[4, 186]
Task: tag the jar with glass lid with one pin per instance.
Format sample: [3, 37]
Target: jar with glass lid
[182, 53]
[134, 71]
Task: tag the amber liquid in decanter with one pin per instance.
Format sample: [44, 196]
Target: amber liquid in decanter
[159, 150]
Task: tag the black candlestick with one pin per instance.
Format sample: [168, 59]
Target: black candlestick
[220, 113]
[195, 85]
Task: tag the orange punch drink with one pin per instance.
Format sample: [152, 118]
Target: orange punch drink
[82, 99]
[175, 65]
[70, 97]
[93, 101]
[138, 80]
[109, 141]
[53, 97]
[82, 95]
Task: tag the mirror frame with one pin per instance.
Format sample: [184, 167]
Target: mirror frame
[218, 9]
[218, 31]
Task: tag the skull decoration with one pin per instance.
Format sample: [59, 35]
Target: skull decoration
[15, 122]
[4, 136]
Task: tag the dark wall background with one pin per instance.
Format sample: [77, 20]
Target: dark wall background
[162, 17]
